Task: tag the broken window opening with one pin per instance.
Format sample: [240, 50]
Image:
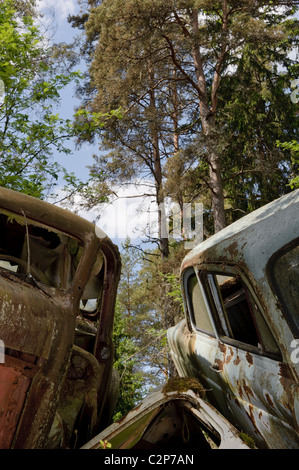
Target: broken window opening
[237, 309]
[243, 317]
[54, 256]
[196, 304]
[284, 273]
[226, 302]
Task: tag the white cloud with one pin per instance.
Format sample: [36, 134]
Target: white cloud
[62, 8]
[134, 214]
[127, 215]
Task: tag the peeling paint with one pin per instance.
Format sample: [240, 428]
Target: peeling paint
[249, 358]
[253, 380]
[45, 371]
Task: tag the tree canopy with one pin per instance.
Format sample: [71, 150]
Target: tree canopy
[30, 130]
[204, 88]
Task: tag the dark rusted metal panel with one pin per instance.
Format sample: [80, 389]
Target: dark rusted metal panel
[162, 421]
[15, 379]
[38, 320]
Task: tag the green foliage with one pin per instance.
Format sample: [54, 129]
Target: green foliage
[175, 293]
[130, 392]
[210, 82]
[105, 445]
[293, 147]
[183, 384]
[143, 303]
[249, 441]
[29, 130]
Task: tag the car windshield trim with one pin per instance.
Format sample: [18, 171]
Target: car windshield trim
[276, 288]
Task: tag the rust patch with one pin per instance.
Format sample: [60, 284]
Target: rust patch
[250, 415]
[285, 376]
[230, 356]
[247, 390]
[269, 400]
[222, 347]
[219, 364]
[244, 244]
[237, 361]
[237, 402]
[13, 389]
[240, 389]
[233, 250]
[249, 358]
[284, 371]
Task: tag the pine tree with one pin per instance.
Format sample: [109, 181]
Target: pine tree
[141, 50]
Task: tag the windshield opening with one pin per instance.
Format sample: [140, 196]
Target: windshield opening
[52, 258]
[284, 271]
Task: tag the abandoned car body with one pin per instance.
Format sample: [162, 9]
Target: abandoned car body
[241, 323]
[58, 282]
[174, 421]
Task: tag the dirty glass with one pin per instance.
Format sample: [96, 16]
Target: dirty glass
[197, 305]
[51, 257]
[286, 275]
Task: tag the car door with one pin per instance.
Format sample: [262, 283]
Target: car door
[240, 361]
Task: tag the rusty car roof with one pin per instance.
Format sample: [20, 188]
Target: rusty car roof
[47, 213]
[254, 238]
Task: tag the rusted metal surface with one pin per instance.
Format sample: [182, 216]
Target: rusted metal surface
[174, 420]
[41, 290]
[253, 385]
[15, 378]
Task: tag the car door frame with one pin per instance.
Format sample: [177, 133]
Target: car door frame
[257, 386]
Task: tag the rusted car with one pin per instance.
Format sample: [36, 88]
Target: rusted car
[173, 422]
[58, 283]
[240, 334]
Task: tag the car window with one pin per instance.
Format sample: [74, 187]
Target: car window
[235, 312]
[240, 314]
[51, 258]
[196, 303]
[284, 270]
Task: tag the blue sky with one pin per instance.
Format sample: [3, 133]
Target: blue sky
[59, 30]
[123, 216]
[117, 216]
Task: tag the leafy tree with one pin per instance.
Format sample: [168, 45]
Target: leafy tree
[130, 391]
[143, 322]
[191, 47]
[29, 129]
[293, 148]
[149, 295]
[203, 88]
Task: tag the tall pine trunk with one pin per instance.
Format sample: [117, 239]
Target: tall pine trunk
[160, 198]
[208, 122]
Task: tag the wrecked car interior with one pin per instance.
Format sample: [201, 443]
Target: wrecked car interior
[58, 283]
